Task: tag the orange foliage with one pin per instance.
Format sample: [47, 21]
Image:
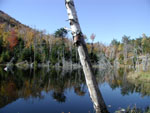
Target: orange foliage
[11, 90]
[12, 39]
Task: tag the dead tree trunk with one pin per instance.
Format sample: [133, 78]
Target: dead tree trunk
[78, 39]
[145, 62]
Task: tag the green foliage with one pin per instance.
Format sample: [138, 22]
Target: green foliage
[114, 42]
[121, 58]
[60, 33]
[112, 60]
[38, 57]
[125, 39]
[146, 45]
[35, 64]
[26, 54]
[5, 57]
[1, 47]
[94, 58]
[121, 71]
[25, 44]
[75, 56]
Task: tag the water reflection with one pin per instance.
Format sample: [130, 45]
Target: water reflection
[118, 79]
[27, 84]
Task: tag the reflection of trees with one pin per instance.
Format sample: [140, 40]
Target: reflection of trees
[117, 79]
[80, 90]
[142, 88]
[59, 96]
[138, 110]
[25, 84]
[59, 82]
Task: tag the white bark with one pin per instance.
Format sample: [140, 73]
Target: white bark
[145, 62]
[137, 64]
[94, 91]
[125, 52]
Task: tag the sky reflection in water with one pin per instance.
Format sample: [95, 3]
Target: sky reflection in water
[65, 91]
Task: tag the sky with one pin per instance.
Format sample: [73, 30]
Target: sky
[107, 19]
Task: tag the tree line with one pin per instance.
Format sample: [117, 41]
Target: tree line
[26, 44]
[33, 46]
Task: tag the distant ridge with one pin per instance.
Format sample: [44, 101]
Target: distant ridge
[5, 18]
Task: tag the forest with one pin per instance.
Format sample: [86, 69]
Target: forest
[44, 72]
[25, 46]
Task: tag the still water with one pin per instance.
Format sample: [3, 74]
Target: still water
[57, 91]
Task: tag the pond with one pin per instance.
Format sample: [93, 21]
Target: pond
[64, 91]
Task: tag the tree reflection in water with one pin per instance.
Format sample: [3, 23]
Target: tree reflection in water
[80, 90]
[26, 84]
[59, 96]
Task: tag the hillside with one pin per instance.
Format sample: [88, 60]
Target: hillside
[5, 18]
[23, 43]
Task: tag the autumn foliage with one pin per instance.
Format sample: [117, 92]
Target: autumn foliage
[12, 39]
[26, 44]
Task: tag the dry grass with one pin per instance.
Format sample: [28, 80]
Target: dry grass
[139, 76]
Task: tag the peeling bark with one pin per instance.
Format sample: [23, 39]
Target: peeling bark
[78, 39]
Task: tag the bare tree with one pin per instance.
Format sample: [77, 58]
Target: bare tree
[92, 37]
[125, 40]
[78, 39]
[145, 62]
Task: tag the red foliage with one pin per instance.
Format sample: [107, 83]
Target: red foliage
[92, 37]
[13, 40]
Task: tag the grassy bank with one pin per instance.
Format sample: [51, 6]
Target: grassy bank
[139, 76]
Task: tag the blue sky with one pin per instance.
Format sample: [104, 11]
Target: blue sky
[107, 19]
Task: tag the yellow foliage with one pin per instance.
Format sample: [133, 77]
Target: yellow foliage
[5, 38]
[88, 47]
[29, 38]
[120, 48]
[144, 40]
[119, 82]
[130, 54]
[2, 28]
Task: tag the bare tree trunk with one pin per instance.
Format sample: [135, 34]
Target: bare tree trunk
[78, 39]
[125, 52]
[137, 64]
[145, 62]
